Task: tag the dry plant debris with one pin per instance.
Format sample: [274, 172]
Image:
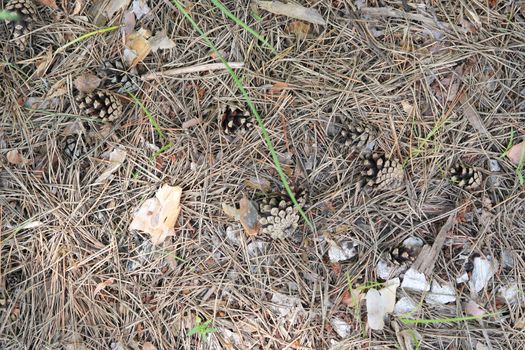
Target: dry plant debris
[21, 27]
[422, 85]
[466, 177]
[157, 216]
[100, 104]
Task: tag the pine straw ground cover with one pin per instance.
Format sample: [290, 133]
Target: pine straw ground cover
[73, 275]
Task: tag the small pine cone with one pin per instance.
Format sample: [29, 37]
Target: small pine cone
[382, 173]
[278, 216]
[234, 120]
[21, 27]
[117, 77]
[402, 254]
[101, 104]
[357, 137]
[466, 177]
[73, 147]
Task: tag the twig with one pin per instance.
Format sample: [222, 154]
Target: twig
[192, 69]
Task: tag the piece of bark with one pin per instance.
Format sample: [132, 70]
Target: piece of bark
[427, 257]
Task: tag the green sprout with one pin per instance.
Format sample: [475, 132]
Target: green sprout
[202, 329]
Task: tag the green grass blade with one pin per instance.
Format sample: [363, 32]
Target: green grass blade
[445, 320]
[242, 24]
[85, 36]
[8, 16]
[150, 116]
[250, 103]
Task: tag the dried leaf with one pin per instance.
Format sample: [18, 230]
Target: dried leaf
[140, 8]
[78, 7]
[484, 270]
[517, 153]
[473, 116]
[58, 89]
[49, 3]
[161, 42]
[299, 28]
[157, 216]
[148, 346]
[249, 216]
[231, 212]
[278, 87]
[16, 158]
[116, 158]
[139, 46]
[191, 123]
[87, 82]
[473, 309]
[258, 184]
[114, 6]
[407, 107]
[292, 10]
[103, 285]
[381, 302]
[43, 62]
[128, 23]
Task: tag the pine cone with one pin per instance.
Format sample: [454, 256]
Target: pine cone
[101, 104]
[357, 137]
[279, 217]
[117, 77]
[466, 177]
[382, 173]
[73, 147]
[21, 27]
[402, 254]
[234, 120]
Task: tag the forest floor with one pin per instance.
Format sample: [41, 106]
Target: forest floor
[438, 86]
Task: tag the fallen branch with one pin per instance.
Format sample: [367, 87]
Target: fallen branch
[192, 69]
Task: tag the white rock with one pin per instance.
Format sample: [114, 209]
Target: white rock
[381, 302]
[510, 293]
[483, 271]
[413, 242]
[342, 328]
[345, 251]
[441, 294]
[384, 269]
[405, 307]
[415, 280]
[463, 278]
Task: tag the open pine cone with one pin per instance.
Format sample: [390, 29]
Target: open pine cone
[356, 137]
[278, 216]
[466, 177]
[234, 120]
[21, 27]
[100, 104]
[382, 173]
[117, 77]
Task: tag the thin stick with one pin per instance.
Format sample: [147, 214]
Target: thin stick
[192, 69]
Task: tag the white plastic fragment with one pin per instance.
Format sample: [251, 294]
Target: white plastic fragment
[341, 327]
[463, 278]
[405, 307]
[441, 294]
[415, 280]
[483, 271]
[381, 302]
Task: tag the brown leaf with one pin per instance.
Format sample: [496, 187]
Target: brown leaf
[58, 89]
[157, 215]
[103, 285]
[191, 123]
[43, 62]
[87, 82]
[16, 158]
[299, 28]
[473, 309]
[258, 184]
[49, 3]
[473, 116]
[161, 42]
[78, 7]
[128, 23]
[115, 6]
[148, 346]
[278, 87]
[517, 153]
[138, 47]
[231, 212]
[249, 216]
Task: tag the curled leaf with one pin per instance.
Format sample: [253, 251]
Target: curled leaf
[517, 153]
[116, 158]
